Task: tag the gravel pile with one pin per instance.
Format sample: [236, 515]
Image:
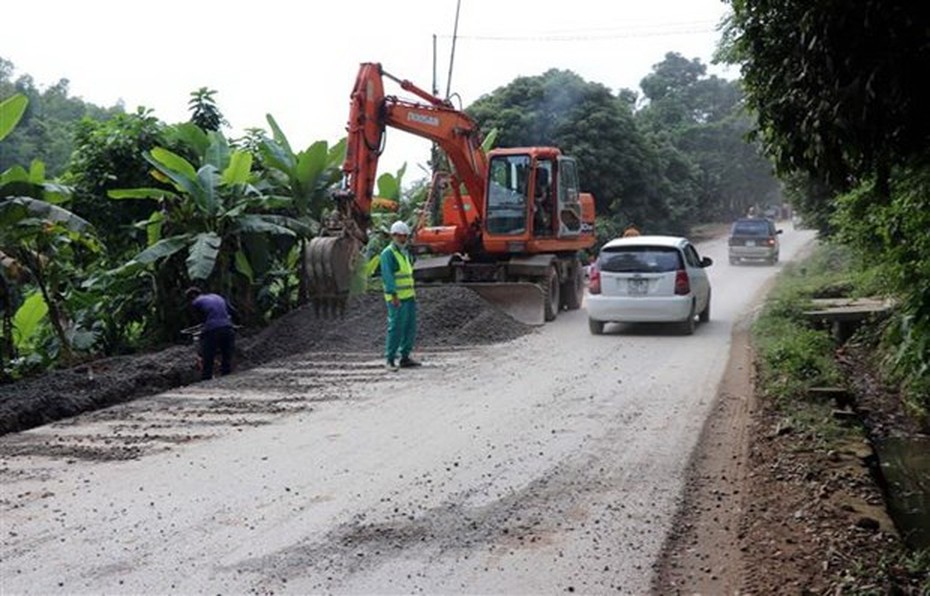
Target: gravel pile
[449, 316]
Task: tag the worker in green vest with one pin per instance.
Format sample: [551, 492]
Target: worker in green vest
[397, 281]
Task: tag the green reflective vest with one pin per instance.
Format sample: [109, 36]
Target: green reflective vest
[403, 277]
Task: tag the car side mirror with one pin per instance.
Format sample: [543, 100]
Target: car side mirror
[706, 261]
[778, 231]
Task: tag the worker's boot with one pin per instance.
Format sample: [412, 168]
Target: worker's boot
[390, 365]
[408, 362]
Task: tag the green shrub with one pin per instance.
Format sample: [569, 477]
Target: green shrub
[890, 239]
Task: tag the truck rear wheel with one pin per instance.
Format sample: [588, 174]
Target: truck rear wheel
[552, 289]
[573, 289]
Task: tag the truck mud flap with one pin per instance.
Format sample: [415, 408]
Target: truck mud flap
[524, 301]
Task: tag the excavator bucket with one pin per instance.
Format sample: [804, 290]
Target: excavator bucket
[524, 301]
[329, 263]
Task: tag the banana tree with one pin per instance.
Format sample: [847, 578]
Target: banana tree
[206, 213]
[11, 110]
[305, 177]
[38, 241]
[37, 238]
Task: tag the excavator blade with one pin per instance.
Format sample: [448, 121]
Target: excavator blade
[329, 263]
[524, 301]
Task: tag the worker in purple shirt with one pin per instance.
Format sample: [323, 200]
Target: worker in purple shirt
[218, 334]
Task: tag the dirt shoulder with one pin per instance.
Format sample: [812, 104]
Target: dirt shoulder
[703, 552]
[769, 509]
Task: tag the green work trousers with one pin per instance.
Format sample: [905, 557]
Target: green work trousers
[401, 329]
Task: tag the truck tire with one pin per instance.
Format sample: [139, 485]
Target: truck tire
[573, 289]
[552, 290]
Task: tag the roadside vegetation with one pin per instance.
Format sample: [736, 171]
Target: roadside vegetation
[794, 358]
[840, 114]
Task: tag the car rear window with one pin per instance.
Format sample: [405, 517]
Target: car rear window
[639, 259]
[751, 227]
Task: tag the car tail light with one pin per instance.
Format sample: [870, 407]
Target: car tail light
[682, 283]
[594, 280]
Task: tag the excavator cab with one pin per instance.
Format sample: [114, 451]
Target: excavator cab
[532, 196]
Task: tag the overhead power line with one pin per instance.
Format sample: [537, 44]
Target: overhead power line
[600, 34]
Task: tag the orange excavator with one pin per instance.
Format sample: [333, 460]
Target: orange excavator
[514, 234]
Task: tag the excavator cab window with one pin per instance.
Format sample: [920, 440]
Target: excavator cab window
[569, 207]
[542, 199]
[508, 184]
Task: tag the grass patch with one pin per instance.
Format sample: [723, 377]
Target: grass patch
[793, 356]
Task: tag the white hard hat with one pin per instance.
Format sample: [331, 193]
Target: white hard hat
[399, 227]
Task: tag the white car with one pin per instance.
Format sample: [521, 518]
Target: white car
[649, 279]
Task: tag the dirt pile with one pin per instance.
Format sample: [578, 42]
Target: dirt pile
[452, 316]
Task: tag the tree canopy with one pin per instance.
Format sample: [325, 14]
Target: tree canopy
[680, 159]
[839, 94]
[837, 86]
[45, 131]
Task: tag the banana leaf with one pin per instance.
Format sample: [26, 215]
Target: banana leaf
[27, 322]
[161, 249]
[202, 254]
[243, 266]
[140, 193]
[279, 136]
[217, 154]
[193, 136]
[11, 110]
[310, 164]
[239, 168]
[17, 209]
[180, 173]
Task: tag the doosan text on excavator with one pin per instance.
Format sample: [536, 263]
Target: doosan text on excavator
[513, 236]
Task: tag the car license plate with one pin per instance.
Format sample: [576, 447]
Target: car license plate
[750, 243]
[638, 287]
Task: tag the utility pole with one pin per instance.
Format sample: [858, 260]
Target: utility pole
[435, 189]
[435, 82]
[455, 34]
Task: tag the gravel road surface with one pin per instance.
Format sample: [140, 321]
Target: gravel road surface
[551, 463]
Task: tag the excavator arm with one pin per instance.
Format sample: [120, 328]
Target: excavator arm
[372, 113]
[331, 258]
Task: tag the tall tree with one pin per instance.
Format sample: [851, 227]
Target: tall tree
[718, 172]
[583, 119]
[45, 131]
[204, 111]
[835, 85]
[110, 154]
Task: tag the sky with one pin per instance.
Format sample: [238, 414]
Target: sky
[298, 60]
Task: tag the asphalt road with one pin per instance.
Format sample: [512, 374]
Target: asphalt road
[549, 464]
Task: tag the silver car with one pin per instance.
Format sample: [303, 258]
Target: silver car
[753, 238]
[649, 279]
